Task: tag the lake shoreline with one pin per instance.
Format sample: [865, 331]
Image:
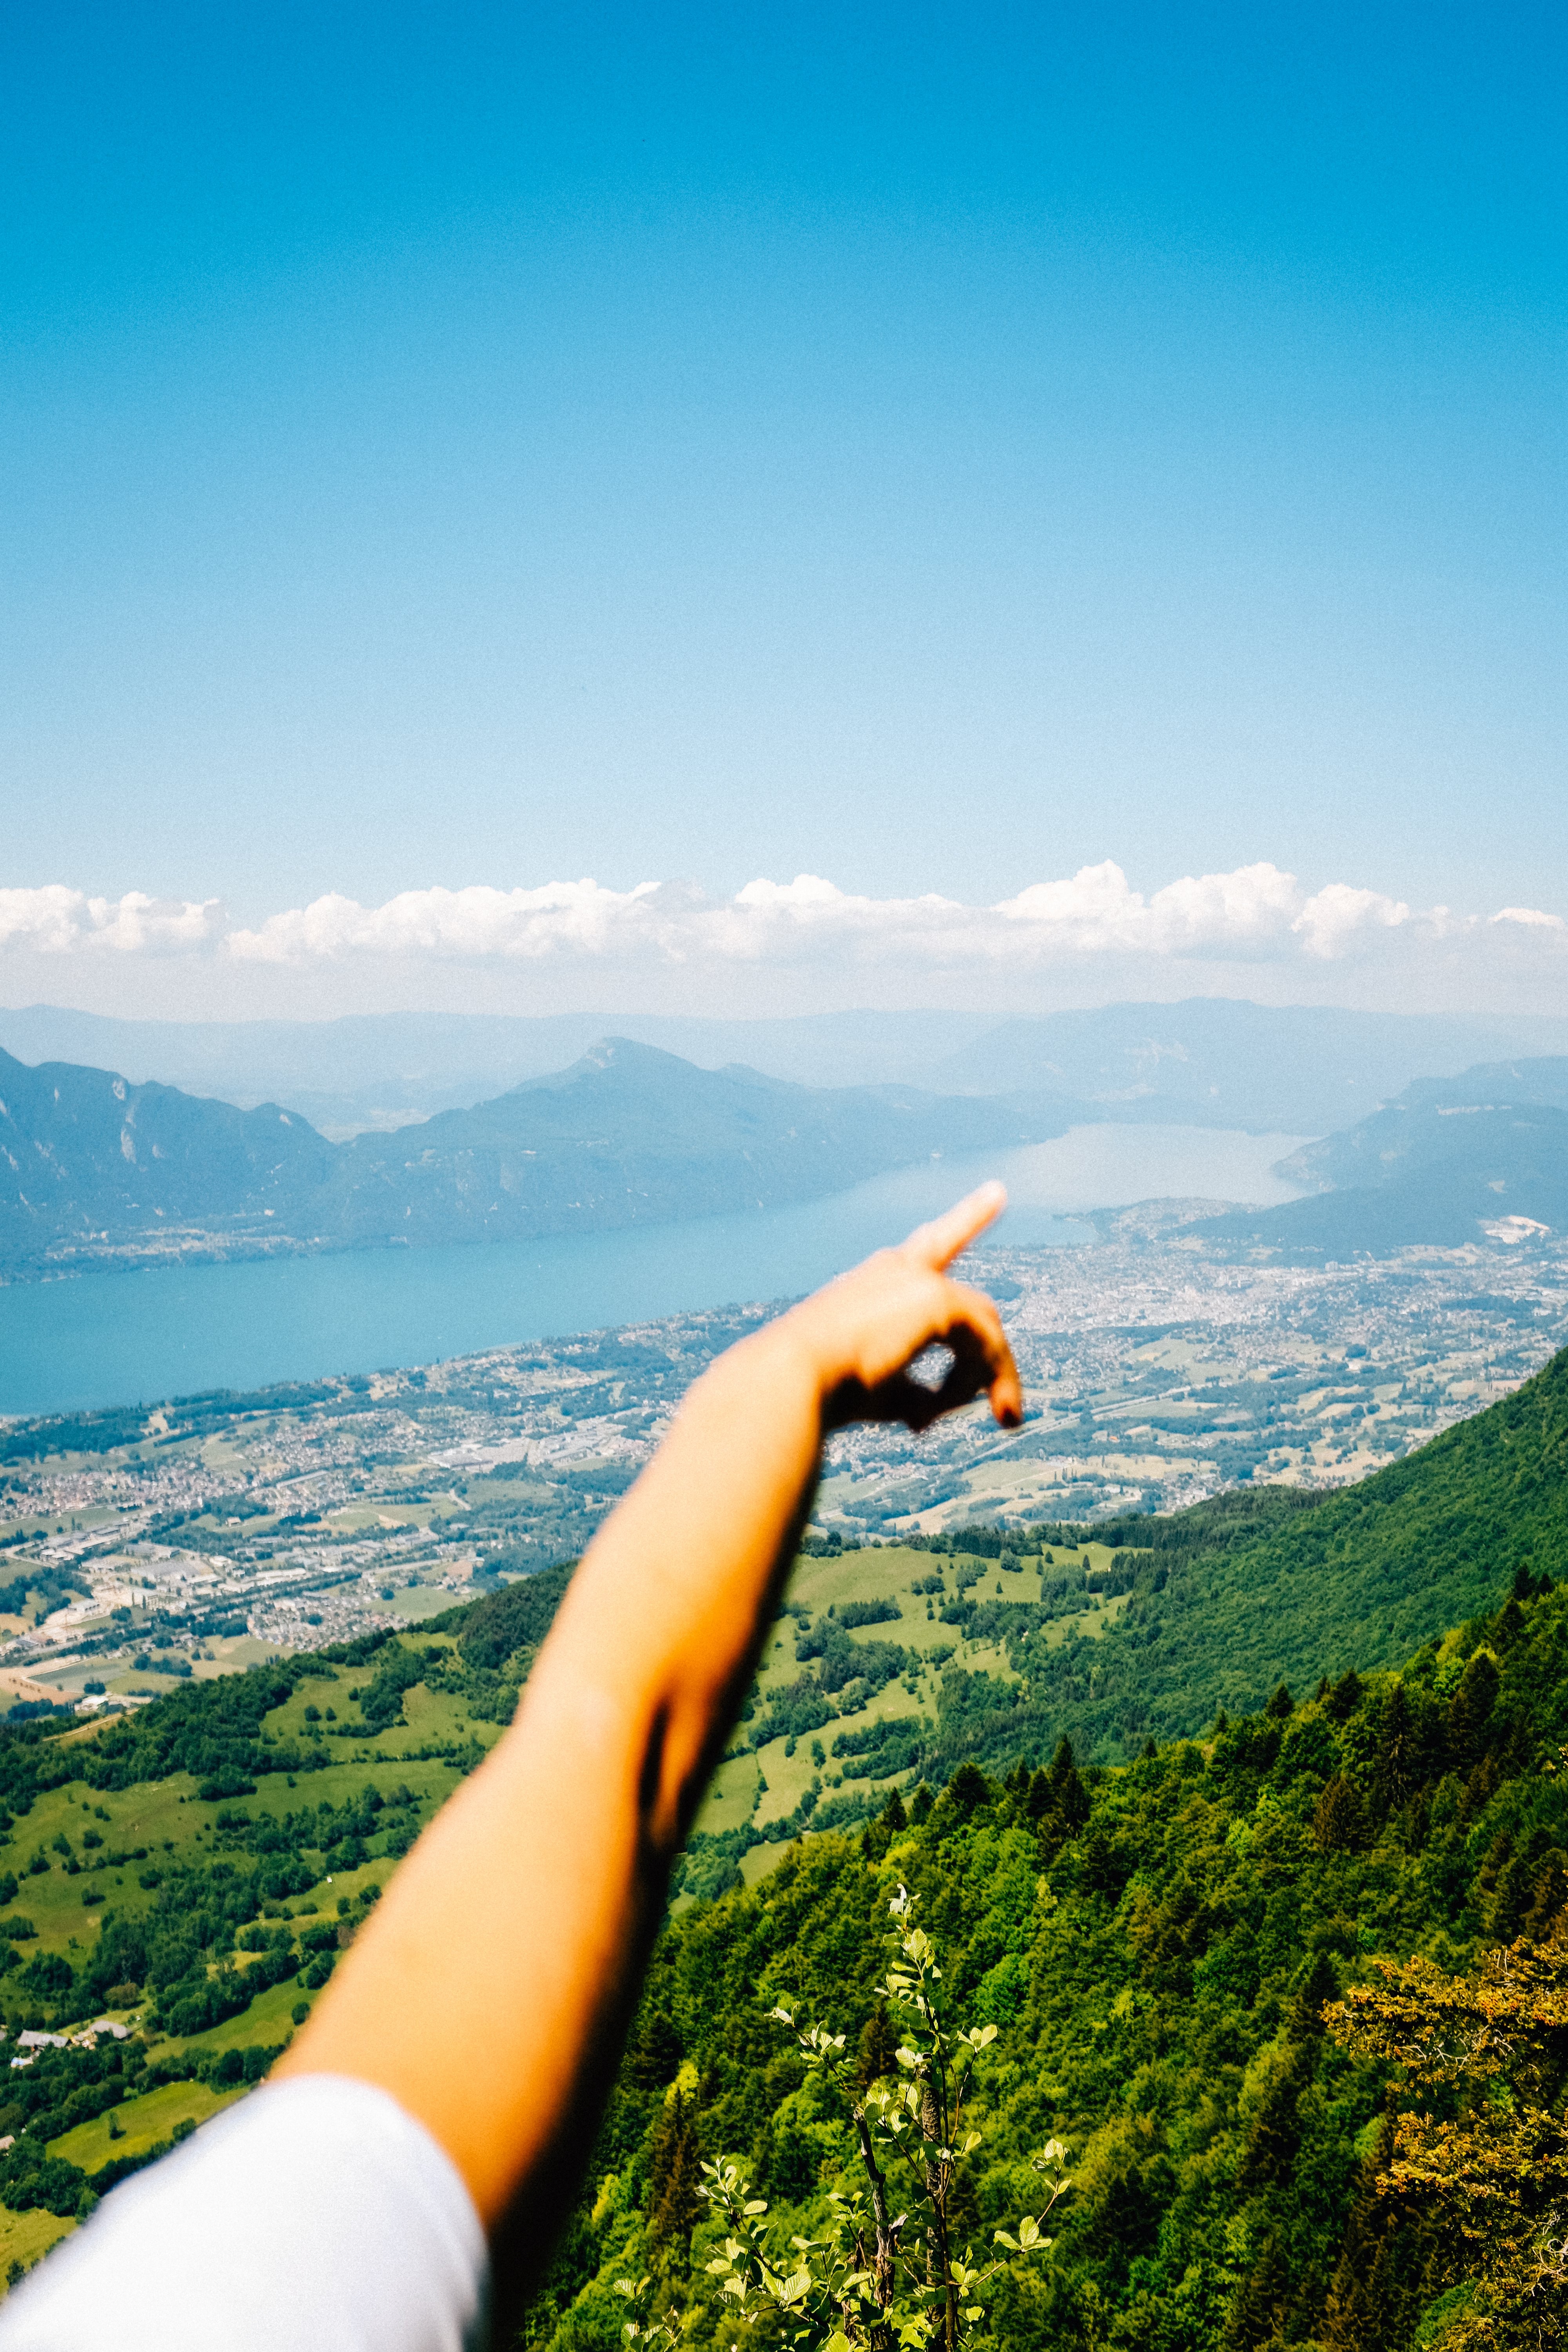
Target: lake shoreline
[102, 1336]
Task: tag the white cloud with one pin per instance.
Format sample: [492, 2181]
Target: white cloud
[1530, 916]
[1250, 910]
[55, 920]
[1335, 921]
[1255, 915]
[574, 917]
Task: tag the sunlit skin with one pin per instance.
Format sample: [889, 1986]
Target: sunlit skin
[489, 1989]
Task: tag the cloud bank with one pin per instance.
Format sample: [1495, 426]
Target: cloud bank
[1256, 915]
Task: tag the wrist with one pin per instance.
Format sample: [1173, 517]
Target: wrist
[774, 1368]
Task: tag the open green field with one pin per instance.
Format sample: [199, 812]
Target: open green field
[140, 2123]
[122, 1844]
[160, 1823]
[25, 2238]
[769, 1784]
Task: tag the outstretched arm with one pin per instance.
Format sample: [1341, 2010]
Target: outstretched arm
[488, 1992]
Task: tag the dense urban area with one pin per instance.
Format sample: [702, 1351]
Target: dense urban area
[140, 1548]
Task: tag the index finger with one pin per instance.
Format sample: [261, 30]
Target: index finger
[936, 1245]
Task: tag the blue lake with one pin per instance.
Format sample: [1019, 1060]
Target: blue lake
[134, 1337]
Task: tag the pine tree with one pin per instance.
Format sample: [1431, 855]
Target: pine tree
[1272, 2145]
[1470, 1710]
[1398, 1769]
[1068, 1796]
[889, 1822]
[1317, 1986]
[1346, 1695]
[968, 1790]
[1370, 2296]
[1548, 1895]
[1515, 1894]
[1339, 1822]
[675, 2172]
[1058, 1802]
[1261, 2300]
[1479, 1789]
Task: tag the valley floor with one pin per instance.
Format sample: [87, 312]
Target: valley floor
[207, 1535]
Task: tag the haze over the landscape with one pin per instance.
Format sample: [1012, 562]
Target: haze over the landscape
[635, 647]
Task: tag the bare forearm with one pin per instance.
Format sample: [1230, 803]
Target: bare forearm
[487, 1991]
[569, 1827]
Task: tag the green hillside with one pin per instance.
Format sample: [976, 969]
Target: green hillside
[1155, 1938]
[1360, 1577]
[1007, 1642]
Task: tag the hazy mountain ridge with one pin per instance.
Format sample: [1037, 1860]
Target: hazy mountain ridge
[94, 1167]
[1212, 1061]
[1445, 1161]
[86, 1154]
[629, 1134]
[1225, 1062]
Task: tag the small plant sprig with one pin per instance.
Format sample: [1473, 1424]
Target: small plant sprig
[639, 2329]
[890, 2281]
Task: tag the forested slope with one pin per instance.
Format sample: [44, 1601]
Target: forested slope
[1160, 1951]
[1362, 1576]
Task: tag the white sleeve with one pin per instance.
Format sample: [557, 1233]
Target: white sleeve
[315, 2213]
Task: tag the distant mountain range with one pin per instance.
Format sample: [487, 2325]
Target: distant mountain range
[1223, 1061]
[96, 1168]
[1444, 1163]
[1212, 1062]
[92, 1166]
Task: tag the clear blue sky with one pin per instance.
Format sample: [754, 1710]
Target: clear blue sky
[935, 447]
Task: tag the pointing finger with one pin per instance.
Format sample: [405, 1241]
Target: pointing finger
[936, 1245]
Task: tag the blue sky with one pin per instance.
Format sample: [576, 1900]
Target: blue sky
[936, 449]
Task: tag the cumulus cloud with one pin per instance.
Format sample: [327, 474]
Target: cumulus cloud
[1256, 914]
[1530, 916]
[55, 920]
[573, 918]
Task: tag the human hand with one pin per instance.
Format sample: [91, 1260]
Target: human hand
[863, 1331]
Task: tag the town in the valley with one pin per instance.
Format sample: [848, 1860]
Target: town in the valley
[139, 1549]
